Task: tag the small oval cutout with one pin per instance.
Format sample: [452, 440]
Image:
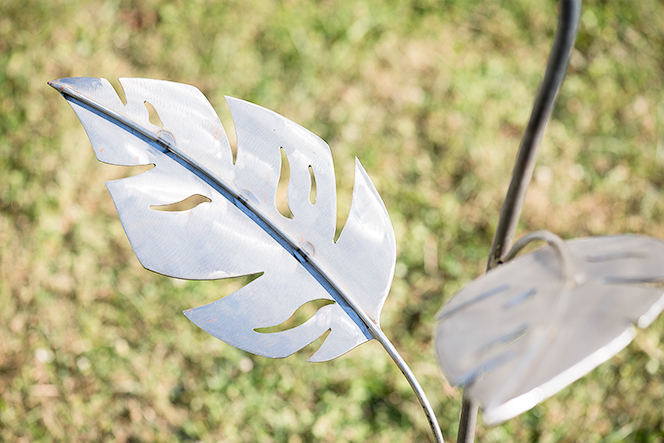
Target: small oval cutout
[188, 203]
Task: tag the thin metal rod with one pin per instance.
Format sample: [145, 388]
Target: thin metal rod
[568, 28]
[569, 267]
[419, 392]
[468, 416]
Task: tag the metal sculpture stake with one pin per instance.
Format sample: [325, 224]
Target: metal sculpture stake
[568, 28]
[549, 317]
[237, 229]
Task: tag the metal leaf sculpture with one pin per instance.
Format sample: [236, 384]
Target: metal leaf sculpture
[240, 231]
[237, 230]
[528, 328]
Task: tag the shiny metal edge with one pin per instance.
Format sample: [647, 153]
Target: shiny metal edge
[496, 415]
[646, 319]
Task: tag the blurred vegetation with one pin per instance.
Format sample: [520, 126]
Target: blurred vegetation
[432, 96]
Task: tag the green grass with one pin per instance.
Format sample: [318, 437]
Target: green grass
[431, 96]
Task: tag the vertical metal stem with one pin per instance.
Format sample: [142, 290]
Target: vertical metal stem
[468, 417]
[568, 27]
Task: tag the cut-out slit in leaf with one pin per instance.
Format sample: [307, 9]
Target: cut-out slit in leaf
[594, 322]
[656, 283]
[119, 90]
[618, 255]
[312, 194]
[227, 129]
[241, 231]
[303, 313]
[506, 339]
[130, 171]
[154, 117]
[518, 299]
[282, 187]
[183, 205]
[468, 303]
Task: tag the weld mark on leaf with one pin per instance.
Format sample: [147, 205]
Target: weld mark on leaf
[166, 138]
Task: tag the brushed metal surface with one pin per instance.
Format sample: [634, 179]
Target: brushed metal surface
[239, 231]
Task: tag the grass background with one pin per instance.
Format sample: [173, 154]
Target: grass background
[432, 96]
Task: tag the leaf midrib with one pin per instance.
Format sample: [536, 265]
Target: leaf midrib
[350, 307]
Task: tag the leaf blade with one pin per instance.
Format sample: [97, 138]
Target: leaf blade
[597, 322]
[241, 203]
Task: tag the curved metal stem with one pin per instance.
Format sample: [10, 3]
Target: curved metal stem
[568, 269]
[568, 27]
[419, 392]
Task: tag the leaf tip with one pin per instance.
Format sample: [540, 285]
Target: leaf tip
[57, 84]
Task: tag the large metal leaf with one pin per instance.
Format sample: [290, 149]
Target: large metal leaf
[240, 231]
[519, 334]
